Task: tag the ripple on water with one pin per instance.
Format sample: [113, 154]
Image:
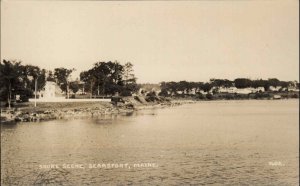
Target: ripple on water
[192, 145]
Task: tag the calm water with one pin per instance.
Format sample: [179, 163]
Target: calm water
[220, 142]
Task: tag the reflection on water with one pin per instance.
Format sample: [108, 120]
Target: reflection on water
[220, 142]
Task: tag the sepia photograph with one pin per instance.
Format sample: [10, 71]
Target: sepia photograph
[105, 92]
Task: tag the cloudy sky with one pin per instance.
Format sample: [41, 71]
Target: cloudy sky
[195, 40]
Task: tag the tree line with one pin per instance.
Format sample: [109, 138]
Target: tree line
[16, 78]
[172, 87]
[104, 78]
[109, 78]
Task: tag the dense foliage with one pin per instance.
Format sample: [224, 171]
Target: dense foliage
[18, 79]
[183, 87]
[105, 78]
[109, 78]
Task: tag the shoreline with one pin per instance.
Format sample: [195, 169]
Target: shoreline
[26, 112]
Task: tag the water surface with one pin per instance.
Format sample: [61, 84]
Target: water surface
[218, 142]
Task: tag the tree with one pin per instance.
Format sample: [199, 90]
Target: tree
[34, 75]
[182, 86]
[9, 73]
[206, 87]
[128, 75]
[284, 84]
[88, 78]
[171, 87]
[20, 79]
[10, 79]
[109, 76]
[221, 82]
[74, 86]
[274, 82]
[192, 85]
[115, 78]
[62, 76]
[199, 86]
[129, 78]
[163, 93]
[100, 74]
[258, 83]
[35, 78]
[50, 76]
[242, 83]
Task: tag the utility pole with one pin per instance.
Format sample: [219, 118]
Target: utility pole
[35, 90]
[68, 92]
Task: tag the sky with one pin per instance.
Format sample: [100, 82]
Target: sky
[165, 41]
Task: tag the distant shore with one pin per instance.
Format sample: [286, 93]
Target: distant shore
[26, 112]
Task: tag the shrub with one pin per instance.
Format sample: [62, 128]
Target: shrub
[165, 99]
[262, 95]
[164, 93]
[25, 95]
[199, 95]
[151, 94]
[150, 98]
[295, 96]
[125, 93]
[228, 96]
[209, 96]
[130, 106]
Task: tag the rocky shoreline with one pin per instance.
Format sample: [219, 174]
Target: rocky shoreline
[53, 111]
[26, 112]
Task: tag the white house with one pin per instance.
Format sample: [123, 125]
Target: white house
[240, 90]
[244, 90]
[227, 89]
[51, 91]
[259, 89]
[272, 88]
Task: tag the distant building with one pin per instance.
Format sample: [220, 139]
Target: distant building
[240, 90]
[272, 88]
[192, 91]
[294, 87]
[202, 92]
[260, 89]
[227, 89]
[179, 92]
[51, 91]
[244, 90]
